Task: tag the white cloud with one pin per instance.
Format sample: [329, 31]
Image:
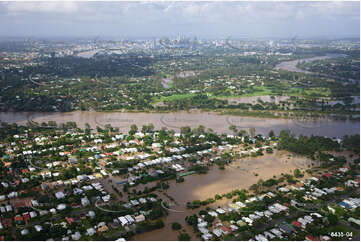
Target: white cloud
[216, 10]
[19, 8]
[166, 17]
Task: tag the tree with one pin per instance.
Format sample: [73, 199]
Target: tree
[208, 218]
[332, 219]
[155, 213]
[185, 130]
[176, 226]
[297, 173]
[133, 129]
[271, 133]
[233, 128]
[99, 130]
[200, 130]
[192, 220]
[242, 133]
[52, 123]
[147, 128]
[184, 237]
[269, 150]
[254, 187]
[203, 212]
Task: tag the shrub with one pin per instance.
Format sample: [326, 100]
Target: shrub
[184, 237]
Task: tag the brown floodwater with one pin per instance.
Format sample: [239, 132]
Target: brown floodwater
[240, 175]
[219, 123]
[292, 65]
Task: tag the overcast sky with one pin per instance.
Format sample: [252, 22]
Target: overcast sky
[203, 19]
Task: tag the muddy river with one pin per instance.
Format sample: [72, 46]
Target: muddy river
[219, 123]
[292, 65]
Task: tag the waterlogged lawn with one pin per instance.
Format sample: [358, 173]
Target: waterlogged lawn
[310, 92]
[255, 91]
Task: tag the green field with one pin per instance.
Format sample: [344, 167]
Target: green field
[258, 91]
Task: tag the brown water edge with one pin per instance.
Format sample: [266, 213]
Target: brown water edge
[240, 175]
[175, 120]
[255, 99]
[292, 65]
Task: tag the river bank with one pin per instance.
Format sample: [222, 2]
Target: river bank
[292, 65]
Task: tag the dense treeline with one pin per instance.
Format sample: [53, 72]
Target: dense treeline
[114, 65]
[304, 145]
[198, 101]
[352, 143]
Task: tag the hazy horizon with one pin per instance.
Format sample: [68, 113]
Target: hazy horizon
[201, 19]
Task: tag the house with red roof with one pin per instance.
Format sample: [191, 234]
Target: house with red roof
[327, 175]
[26, 170]
[340, 189]
[19, 204]
[69, 220]
[296, 224]
[75, 205]
[310, 238]
[18, 219]
[28, 203]
[26, 217]
[225, 230]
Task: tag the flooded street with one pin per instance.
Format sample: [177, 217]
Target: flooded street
[219, 123]
[239, 175]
